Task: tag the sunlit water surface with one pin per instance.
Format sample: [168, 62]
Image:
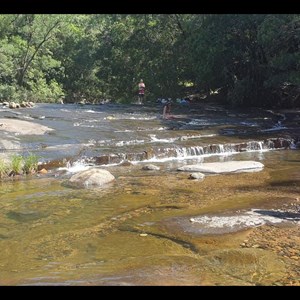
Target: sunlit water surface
[126, 233]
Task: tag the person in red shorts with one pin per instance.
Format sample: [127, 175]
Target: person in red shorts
[141, 91]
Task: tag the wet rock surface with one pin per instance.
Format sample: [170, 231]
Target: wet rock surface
[283, 240]
[217, 224]
[90, 178]
[224, 167]
[129, 233]
[23, 127]
[271, 238]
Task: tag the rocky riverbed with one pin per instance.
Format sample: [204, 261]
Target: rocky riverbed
[152, 227]
[283, 240]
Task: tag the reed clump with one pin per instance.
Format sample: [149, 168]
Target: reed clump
[18, 165]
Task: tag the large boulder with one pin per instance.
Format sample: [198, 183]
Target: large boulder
[91, 178]
[224, 167]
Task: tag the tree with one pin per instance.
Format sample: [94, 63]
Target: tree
[248, 56]
[28, 44]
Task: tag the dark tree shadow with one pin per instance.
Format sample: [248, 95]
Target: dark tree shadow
[291, 216]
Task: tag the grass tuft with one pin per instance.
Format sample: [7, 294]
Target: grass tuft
[30, 164]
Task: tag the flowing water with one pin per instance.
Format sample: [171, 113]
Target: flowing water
[136, 230]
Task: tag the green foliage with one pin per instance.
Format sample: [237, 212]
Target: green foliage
[17, 164]
[252, 57]
[4, 169]
[30, 163]
[41, 91]
[7, 92]
[26, 55]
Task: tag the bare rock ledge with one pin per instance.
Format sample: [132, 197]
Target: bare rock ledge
[224, 167]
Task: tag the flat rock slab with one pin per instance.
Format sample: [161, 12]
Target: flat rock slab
[224, 167]
[23, 127]
[229, 222]
[252, 218]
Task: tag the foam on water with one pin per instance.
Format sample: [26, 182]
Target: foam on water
[169, 140]
[75, 167]
[126, 130]
[179, 138]
[249, 124]
[197, 122]
[93, 111]
[126, 143]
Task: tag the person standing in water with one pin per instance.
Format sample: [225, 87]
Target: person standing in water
[141, 94]
[167, 109]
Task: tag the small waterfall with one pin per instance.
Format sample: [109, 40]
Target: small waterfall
[79, 165]
[255, 146]
[174, 152]
[196, 151]
[182, 152]
[221, 148]
[179, 152]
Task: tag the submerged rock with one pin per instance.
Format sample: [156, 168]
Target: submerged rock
[224, 167]
[251, 218]
[196, 175]
[216, 224]
[150, 167]
[90, 178]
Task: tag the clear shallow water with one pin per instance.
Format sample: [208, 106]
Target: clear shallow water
[97, 130]
[51, 234]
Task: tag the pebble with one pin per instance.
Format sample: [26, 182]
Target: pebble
[143, 234]
[43, 171]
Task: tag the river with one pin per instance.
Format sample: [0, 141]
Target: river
[134, 231]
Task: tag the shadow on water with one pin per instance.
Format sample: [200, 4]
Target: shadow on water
[278, 214]
[293, 161]
[182, 243]
[25, 217]
[275, 183]
[286, 183]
